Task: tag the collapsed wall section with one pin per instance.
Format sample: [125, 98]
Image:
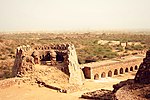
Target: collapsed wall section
[24, 64]
[76, 74]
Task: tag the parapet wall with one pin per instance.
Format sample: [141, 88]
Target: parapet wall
[52, 46]
[111, 70]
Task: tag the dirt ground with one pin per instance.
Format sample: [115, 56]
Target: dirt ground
[29, 92]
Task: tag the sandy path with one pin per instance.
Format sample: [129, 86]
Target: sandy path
[29, 92]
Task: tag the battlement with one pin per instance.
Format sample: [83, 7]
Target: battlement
[52, 46]
[24, 48]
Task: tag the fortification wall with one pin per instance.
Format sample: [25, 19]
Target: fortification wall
[110, 70]
[27, 57]
[23, 62]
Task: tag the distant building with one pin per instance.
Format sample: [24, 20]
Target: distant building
[113, 43]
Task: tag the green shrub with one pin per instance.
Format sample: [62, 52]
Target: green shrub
[138, 47]
[119, 48]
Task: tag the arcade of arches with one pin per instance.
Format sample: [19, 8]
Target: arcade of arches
[109, 73]
[52, 57]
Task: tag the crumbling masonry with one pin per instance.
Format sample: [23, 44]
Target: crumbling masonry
[63, 56]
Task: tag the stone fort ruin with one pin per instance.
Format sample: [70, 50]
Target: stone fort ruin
[64, 58]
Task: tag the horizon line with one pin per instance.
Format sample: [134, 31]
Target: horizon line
[77, 30]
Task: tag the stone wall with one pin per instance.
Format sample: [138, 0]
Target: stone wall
[24, 63]
[27, 57]
[112, 69]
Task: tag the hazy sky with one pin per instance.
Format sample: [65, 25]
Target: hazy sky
[47, 15]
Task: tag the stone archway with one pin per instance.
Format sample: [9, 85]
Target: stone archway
[110, 73]
[126, 70]
[136, 67]
[48, 57]
[121, 70]
[40, 57]
[115, 72]
[87, 72]
[131, 68]
[43, 58]
[103, 75]
[96, 77]
[59, 57]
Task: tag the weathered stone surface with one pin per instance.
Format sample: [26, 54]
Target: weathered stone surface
[122, 83]
[134, 92]
[143, 74]
[1, 74]
[6, 83]
[76, 74]
[100, 95]
[62, 56]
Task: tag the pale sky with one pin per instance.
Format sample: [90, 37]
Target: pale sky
[47, 15]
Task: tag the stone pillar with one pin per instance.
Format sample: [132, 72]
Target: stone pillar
[53, 57]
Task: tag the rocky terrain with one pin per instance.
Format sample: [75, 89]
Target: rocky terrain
[100, 94]
[143, 74]
[134, 92]
[24, 89]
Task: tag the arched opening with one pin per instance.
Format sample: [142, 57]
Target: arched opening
[126, 70]
[116, 72]
[36, 60]
[103, 75]
[40, 57]
[121, 70]
[43, 58]
[96, 77]
[59, 57]
[136, 67]
[48, 57]
[87, 72]
[110, 74]
[131, 68]
[62, 69]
